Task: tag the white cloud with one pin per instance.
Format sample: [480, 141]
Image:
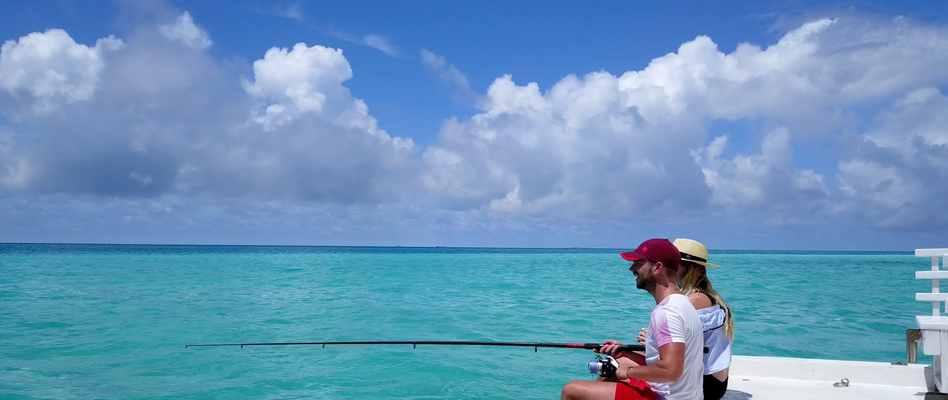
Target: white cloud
[915, 119]
[380, 43]
[290, 11]
[172, 122]
[14, 170]
[589, 148]
[186, 32]
[292, 82]
[450, 74]
[619, 145]
[52, 68]
[318, 142]
[766, 180]
[372, 40]
[575, 150]
[896, 176]
[806, 80]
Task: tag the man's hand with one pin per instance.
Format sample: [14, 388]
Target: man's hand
[642, 333]
[609, 347]
[622, 373]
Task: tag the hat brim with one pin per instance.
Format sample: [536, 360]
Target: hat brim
[702, 263]
[631, 256]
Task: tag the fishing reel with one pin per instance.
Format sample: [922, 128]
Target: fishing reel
[604, 366]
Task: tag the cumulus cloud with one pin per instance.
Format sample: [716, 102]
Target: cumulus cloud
[448, 73]
[14, 171]
[50, 68]
[766, 180]
[292, 82]
[143, 120]
[172, 122]
[318, 141]
[808, 81]
[186, 32]
[575, 150]
[896, 175]
[612, 145]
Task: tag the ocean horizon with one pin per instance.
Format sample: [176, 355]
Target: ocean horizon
[453, 247]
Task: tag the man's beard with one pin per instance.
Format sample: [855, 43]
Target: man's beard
[643, 283]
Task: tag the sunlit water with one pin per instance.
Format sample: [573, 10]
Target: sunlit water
[85, 322]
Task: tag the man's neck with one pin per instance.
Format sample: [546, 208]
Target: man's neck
[662, 291]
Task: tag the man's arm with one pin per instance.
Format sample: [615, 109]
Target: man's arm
[668, 368]
[636, 356]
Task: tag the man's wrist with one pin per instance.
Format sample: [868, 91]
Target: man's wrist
[638, 371]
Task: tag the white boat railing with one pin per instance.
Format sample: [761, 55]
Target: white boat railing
[934, 327]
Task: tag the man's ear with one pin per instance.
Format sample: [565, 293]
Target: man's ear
[660, 269]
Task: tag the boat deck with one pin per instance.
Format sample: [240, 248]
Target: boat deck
[779, 378]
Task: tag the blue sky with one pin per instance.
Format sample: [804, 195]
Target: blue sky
[755, 125]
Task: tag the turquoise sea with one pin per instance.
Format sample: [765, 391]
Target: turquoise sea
[111, 321]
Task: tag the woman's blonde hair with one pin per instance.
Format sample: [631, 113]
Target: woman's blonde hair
[694, 279]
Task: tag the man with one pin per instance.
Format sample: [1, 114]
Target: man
[673, 363]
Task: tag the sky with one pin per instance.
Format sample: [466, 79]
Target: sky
[757, 125]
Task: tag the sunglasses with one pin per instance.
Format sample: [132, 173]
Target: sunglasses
[634, 264]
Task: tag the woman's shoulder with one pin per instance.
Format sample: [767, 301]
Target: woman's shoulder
[700, 300]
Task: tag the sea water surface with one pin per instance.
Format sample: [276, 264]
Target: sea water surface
[111, 321]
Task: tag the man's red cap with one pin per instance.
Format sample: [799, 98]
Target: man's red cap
[655, 250]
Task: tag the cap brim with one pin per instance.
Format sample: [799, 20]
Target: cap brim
[631, 256]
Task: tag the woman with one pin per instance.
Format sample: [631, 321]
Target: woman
[714, 313]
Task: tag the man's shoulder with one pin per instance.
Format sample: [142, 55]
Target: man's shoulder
[679, 301]
[678, 305]
[681, 307]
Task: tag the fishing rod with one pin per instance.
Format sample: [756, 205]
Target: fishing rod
[415, 343]
[604, 365]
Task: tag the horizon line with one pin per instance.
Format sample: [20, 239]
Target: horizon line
[408, 246]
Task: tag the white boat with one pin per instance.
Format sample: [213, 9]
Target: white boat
[783, 378]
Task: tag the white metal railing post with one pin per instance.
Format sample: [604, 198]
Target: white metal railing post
[934, 328]
[944, 263]
[936, 306]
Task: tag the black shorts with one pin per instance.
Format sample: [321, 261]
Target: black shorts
[713, 388]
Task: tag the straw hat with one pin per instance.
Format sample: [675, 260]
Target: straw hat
[694, 251]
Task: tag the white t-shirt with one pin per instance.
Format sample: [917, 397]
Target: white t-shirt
[675, 320]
